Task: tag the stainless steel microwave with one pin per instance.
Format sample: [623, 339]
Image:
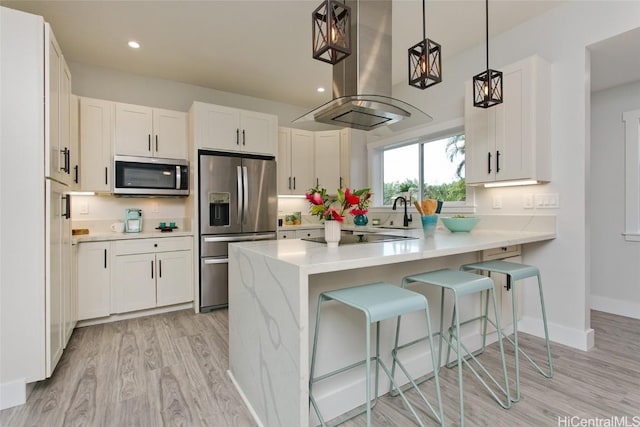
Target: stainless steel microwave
[150, 176]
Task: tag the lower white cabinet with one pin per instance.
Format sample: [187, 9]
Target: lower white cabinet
[151, 273]
[94, 275]
[300, 234]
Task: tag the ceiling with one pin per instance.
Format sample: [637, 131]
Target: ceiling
[260, 48]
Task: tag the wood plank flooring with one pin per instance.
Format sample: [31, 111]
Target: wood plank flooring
[170, 370]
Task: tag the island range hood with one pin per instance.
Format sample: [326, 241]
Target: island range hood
[362, 81]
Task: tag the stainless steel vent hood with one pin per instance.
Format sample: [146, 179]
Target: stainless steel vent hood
[362, 82]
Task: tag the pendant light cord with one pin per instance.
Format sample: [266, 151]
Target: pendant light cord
[424, 21]
[486, 28]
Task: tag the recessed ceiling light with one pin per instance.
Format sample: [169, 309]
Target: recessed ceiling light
[134, 44]
[320, 89]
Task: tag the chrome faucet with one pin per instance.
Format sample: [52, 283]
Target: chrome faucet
[407, 218]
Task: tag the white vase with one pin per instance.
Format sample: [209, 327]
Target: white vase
[332, 233]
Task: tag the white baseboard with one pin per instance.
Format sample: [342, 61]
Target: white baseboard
[13, 394]
[576, 338]
[245, 400]
[134, 314]
[614, 306]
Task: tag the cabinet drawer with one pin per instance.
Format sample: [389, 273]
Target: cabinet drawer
[501, 252]
[291, 234]
[142, 246]
[314, 232]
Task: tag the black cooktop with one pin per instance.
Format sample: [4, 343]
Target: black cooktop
[352, 239]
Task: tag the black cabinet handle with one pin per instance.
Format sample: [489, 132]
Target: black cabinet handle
[105, 258]
[152, 269]
[149, 142]
[75, 169]
[156, 142]
[106, 175]
[65, 156]
[67, 206]
[67, 162]
[488, 162]
[237, 136]
[294, 182]
[160, 268]
[317, 182]
[289, 183]
[243, 137]
[497, 161]
[340, 182]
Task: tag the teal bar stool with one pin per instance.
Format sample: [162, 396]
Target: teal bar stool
[515, 272]
[461, 283]
[377, 301]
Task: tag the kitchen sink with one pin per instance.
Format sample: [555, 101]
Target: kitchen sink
[359, 238]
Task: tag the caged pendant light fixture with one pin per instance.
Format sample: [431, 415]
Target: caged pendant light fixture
[331, 31]
[425, 63]
[487, 86]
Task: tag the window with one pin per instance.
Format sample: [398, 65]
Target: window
[432, 169]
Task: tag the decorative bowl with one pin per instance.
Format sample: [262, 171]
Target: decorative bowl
[459, 224]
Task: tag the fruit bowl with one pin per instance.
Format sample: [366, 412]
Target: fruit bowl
[460, 224]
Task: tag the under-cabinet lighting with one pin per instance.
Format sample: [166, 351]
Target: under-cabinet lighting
[320, 89]
[292, 196]
[82, 193]
[511, 183]
[134, 44]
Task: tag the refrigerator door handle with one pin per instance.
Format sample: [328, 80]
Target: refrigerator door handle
[245, 192]
[240, 195]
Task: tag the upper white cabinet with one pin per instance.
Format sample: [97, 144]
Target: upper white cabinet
[327, 159]
[229, 129]
[74, 141]
[57, 116]
[295, 161]
[150, 132]
[96, 130]
[511, 141]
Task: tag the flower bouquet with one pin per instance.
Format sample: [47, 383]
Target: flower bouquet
[330, 208]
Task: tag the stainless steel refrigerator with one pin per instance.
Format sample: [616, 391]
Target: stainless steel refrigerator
[237, 202]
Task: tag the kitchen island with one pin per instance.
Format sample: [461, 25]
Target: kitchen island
[273, 290]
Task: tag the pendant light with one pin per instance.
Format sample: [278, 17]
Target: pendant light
[331, 31]
[425, 64]
[487, 86]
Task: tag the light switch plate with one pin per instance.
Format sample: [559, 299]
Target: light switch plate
[527, 201]
[497, 202]
[84, 208]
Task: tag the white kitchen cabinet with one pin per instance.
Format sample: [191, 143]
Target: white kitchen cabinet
[327, 159]
[310, 232]
[151, 273]
[74, 141]
[216, 127]
[94, 278]
[295, 161]
[511, 141]
[150, 132]
[71, 310]
[345, 158]
[96, 130]
[288, 234]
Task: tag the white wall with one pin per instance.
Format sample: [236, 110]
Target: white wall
[560, 36]
[615, 282]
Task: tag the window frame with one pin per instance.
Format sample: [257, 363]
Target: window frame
[424, 134]
[631, 121]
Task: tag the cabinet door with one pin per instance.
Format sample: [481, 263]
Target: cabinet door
[54, 289]
[302, 164]
[53, 59]
[170, 134]
[257, 133]
[479, 151]
[174, 283]
[66, 173]
[74, 141]
[68, 297]
[96, 122]
[134, 283]
[94, 274]
[284, 161]
[220, 127]
[133, 130]
[327, 160]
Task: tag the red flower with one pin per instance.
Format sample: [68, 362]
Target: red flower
[356, 211]
[315, 198]
[351, 199]
[331, 213]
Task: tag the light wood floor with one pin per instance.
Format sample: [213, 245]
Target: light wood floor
[170, 370]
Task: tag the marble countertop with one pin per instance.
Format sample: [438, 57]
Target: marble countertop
[314, 257]
[111, 235]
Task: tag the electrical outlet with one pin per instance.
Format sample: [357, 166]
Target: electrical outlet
[497, 202]
[527, 201]
[84, 208]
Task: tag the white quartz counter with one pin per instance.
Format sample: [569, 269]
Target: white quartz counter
[273, 289]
